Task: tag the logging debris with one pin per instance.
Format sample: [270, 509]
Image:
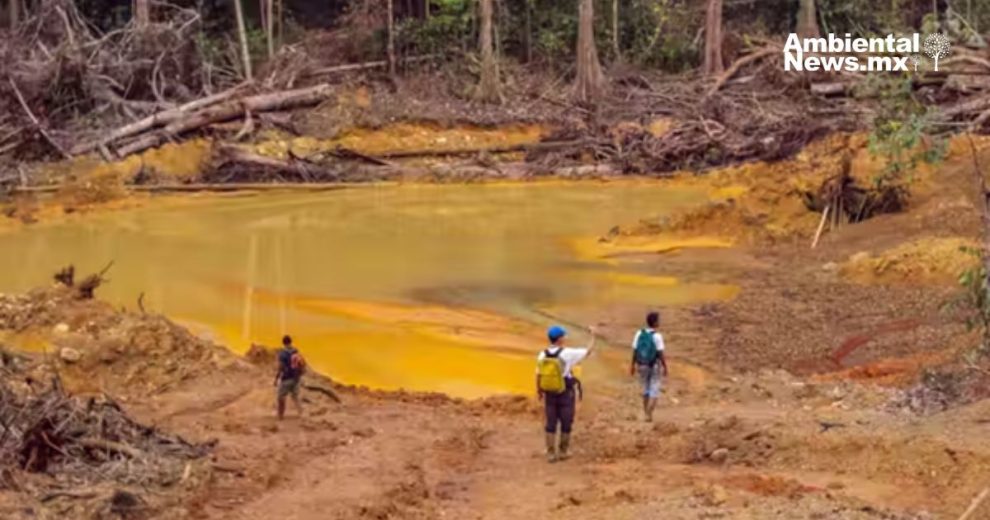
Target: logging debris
[86, 449]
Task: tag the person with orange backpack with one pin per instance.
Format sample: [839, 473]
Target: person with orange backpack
[288, 377]
[555, 385]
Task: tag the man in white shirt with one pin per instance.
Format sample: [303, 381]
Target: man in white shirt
[559, 403]
[647, 360]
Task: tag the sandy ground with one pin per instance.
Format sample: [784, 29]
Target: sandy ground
[736, 435]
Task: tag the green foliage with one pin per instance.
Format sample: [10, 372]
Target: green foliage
[450, 28]
[974, 301]
[661, 33]
[902, 133]
[257, 42]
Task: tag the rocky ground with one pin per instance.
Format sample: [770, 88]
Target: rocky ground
[806, 396]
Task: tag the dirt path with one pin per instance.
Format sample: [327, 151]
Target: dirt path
[381, 457]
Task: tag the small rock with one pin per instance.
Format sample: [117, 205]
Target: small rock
[859, 257]
[61, 328]
[364, 433]
[69, 355]
[719, 456]
[830, 267]
[717, 495]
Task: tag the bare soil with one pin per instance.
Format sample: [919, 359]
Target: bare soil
[769, 413]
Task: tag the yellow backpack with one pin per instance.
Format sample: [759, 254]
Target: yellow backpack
[551, 372]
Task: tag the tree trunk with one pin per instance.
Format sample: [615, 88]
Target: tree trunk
[390, 27]
[807, 20]
[488, 89]
[615, 30]
[242, 35]
[529, 31]
[268, 17]
[142, 12]
[713, 38]
[14, 13]
[590, 81]
[278, 22]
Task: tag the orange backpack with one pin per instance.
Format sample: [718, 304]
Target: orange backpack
[297, 363]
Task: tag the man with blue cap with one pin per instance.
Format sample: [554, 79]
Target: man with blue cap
[555, 385]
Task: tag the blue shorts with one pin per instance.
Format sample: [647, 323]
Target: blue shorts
[649, 379]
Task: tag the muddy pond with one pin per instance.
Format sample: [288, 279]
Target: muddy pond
[425, 287]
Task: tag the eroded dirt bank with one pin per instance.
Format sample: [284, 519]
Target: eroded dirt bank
[857, 320]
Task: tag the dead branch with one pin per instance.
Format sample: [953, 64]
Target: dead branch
[380, 64]
[105, 445]
[347, 154]
[66, 276]
[829, 89]
[325, 391]
[975, 504]
[89, 284]
[739, 64]
[34, 120]
[301, 169]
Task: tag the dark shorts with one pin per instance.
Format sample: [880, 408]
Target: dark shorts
[559, 409]
[288, 387]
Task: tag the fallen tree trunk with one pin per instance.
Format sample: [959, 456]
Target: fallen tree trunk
[227, 111]
[974, 106]
[366, 65]
[524, 147]
[156, 120]
[829, 89]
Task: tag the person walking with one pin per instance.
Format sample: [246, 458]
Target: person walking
[555, 385]
[288, 375]
[647, 362]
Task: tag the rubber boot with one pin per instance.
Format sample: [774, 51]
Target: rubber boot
[565, 442]
[551, 447]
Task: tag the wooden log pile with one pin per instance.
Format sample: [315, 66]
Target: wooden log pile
[172, 124]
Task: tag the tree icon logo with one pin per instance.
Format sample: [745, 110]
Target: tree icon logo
[916, 60]
[936, 46]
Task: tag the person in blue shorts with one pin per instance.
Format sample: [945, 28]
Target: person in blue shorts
[648, 362]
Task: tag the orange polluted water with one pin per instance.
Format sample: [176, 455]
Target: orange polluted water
[423, 287]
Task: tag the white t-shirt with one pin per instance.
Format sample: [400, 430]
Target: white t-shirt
[657, 339]
[570, 357]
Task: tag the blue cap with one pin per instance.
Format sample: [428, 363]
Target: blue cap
[556, 332]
